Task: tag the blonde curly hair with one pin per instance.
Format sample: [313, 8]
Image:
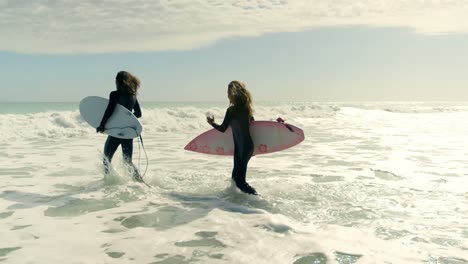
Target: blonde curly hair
[240, 97]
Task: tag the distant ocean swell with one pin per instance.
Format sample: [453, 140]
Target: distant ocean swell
[65, 123]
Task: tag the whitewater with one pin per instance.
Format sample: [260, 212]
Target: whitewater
[373, 182]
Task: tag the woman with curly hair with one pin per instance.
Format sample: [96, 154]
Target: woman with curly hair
[239, 115]
[126, 95]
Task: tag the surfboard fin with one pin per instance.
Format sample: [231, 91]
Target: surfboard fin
[281, 120]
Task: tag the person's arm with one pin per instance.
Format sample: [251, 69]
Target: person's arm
[109, 110]
[226, 121]
[137, 109]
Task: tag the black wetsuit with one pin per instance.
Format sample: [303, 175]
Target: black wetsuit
[239, 120]
[112, 143]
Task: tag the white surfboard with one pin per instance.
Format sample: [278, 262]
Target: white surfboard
[122, 123]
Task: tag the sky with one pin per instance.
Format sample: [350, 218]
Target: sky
[284, 50]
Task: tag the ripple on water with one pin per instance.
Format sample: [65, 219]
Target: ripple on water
[17, 174]
[177, 259]
[20, 227]
[115, 254]
[349, 216]
[164, 218]
[315, 258]
[389, 234]
[6, 251]
[196, 257]
[323, 178]
[6, 214]
[277, 228]
[113, 231]
[78, 207]
[465, 233]
[346, 258]
[69, 172]
[386, 175]
[27, 200]
[447, 242]
[71, 188]
[446, 260]
[208, 240]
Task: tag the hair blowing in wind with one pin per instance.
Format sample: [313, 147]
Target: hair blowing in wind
[240, 96]
[127, 83]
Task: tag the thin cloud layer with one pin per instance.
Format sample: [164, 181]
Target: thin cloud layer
[96, 26]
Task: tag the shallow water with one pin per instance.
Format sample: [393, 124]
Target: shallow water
[371, 183]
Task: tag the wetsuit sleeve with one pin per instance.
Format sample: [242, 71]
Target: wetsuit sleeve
[137, 109]
[110, 108]
[226, 121]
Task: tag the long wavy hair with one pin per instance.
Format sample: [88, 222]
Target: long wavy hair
[239, 97]
[127, 83]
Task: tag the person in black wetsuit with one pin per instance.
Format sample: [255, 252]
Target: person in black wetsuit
[127, 86]
[238, 116]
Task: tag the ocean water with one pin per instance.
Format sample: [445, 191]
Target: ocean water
[376, 182]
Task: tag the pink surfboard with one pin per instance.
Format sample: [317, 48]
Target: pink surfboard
[268, 137]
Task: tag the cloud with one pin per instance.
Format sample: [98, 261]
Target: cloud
[96, 26]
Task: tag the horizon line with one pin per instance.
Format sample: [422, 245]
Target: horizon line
[260, 101]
